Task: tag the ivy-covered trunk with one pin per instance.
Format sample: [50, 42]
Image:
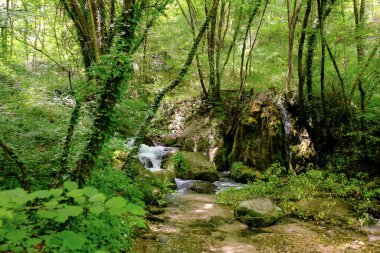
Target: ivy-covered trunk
[121, 72]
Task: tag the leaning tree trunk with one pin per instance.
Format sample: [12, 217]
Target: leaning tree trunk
[25, 173]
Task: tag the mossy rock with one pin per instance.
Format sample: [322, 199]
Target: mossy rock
[198, 167]
[244, 174]
[203, 187]
[169, 140]
[329, 210]
[258, 212]
[118, 159]
[166, 176]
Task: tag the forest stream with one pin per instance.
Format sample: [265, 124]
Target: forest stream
[194, 223]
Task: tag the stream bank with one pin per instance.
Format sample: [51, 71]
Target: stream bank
[193, 223]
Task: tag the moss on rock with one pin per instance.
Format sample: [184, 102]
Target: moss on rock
[198, 167]
[258, 212]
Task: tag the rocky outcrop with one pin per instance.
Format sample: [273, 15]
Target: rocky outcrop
[267, 133]
[258, 212]
[193, 125]
[197, 167]
[259, 138]
[259, 134]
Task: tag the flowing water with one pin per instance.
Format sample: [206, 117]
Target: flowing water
[194, 223]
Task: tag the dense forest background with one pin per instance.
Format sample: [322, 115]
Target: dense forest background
[79, 79]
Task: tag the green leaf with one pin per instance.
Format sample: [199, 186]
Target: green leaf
[89, 191]
[71, 211]
[70, 185]
[71, 240]
[52, 203]
[4, 213]
[100, 197]
[42, 194]
[61, 218]
[138, 222]
[16, 236]
[4, 200]
[56, 192]
[97, 209]
[75, 193]
[45, 214]
[116, 202]
[33, 241]
[80, 200]
[116, 205]
[135, 209]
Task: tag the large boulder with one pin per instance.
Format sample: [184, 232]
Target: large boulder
[258, 212]
[195, 166]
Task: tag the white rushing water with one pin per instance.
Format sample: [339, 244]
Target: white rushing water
[151, 157]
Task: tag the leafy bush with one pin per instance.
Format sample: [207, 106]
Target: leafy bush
[66, 220]
[180, 164]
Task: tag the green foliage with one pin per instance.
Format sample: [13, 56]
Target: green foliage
[114, 182]
[180, 164]
[66, 219]
[242, 173]
[312, 184]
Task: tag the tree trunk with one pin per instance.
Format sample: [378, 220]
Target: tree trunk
[25, 173]
[242, 62]
[193, 25]
[301, 77]
[292, 23]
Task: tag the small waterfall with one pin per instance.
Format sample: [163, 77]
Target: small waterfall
[184, 185]
[285, 117]
[151, 157]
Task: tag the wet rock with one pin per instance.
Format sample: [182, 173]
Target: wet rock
[154, 210]
[146, 162]
[198, 167]
[258, 212]
[169, 140]
[203, 187]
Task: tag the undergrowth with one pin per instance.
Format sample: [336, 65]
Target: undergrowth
[67, 219]
[314, 183]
